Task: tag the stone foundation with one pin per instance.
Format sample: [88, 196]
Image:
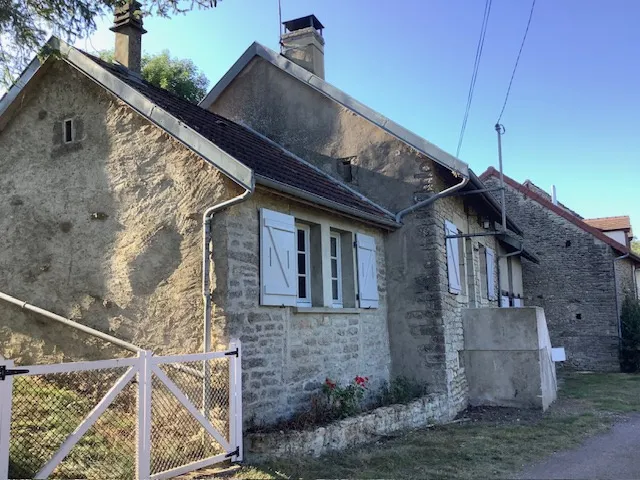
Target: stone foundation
[349, 432]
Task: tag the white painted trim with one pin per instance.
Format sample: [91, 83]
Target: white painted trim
[6, 395]
[191, 357]
[304, 302]
[174, 472]
[143, 432]
[182, 398]
[336, 302]
[415, 141]
[79, 366]
[235, 399]
[86, 424]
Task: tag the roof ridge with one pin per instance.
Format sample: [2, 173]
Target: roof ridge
[492, 172]
[607, 218]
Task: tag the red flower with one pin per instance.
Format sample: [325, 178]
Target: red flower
[330, 384]
[361, 381]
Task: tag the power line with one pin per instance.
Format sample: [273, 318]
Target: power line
[524, 38]
[474, 75]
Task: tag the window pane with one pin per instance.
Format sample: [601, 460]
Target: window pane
[334, 247]
[301, 241]
[302, 264]
[302, 287]
[334, 268]
[334, 289]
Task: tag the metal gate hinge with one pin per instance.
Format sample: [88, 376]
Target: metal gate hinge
[5, 372]
[232, 352]
[235, 453]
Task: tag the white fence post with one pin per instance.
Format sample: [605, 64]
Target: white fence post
[6, 391]
[235, 399]
[143, 435]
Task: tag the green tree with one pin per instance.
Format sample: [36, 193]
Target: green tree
[635, 247]
[25, 25]
[179, 76]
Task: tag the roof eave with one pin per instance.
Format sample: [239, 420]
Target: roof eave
[415, 141]
[318, 200]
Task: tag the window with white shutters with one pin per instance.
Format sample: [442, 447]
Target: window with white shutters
[335, 258]
[278, 283]
[491, 265]
[453, 257]
[367, 272]
[303, 233]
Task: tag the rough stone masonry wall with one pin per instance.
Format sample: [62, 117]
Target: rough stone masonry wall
[473, 293]
[288, 352]
[385, 170]
[574, 283]
[105, 230]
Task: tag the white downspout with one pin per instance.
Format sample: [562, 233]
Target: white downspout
[207, 256]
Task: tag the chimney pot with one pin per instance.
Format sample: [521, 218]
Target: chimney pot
[127, 25]
[302, 43]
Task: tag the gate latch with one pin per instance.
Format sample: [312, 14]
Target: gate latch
[5, 372]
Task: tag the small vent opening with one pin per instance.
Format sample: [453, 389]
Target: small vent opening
[68, 131]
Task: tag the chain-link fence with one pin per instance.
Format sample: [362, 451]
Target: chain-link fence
[177, 438]
[46, 409]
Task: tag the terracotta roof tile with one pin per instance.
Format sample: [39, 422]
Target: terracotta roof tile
[606, 224]
[264, 157]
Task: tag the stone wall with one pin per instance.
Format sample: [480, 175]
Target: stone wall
[105, 230]
[425, 329]
[288, 351]
[350, 432]
[574, 283]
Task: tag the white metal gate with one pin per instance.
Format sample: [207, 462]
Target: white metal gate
[146, 417]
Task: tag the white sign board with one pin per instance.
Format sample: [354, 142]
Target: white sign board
[558, 354]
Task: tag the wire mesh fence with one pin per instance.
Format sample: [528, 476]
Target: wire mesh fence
[177, 438]
[48, 408]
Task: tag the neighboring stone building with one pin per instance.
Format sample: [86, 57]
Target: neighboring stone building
[618, 228]
[104, 183]
[581, 280]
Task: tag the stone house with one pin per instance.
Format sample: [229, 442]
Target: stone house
[336, 243]
[618, 228]
[582, 277]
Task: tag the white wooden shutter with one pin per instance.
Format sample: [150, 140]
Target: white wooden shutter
[367, 271]
[278, 284]
[453, 257]
[491, 265]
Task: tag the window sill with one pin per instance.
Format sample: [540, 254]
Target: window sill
[343, 311]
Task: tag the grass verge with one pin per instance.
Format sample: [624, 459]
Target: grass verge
[495, 442]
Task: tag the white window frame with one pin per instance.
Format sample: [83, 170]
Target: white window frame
[72, 130]
[304, 302]
[336, 302]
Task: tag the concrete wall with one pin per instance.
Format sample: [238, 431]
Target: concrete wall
[574, 283]
[288, 352]
[508, 357]
[424, 318]
[105, 230]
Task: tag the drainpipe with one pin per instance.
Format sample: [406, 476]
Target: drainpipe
[433, 198]
[207, 255]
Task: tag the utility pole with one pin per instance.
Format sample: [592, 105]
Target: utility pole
[500, 131]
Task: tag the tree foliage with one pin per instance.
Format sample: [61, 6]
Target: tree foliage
[25, 25]
[635, 247]
[179, 76]
[630, 342]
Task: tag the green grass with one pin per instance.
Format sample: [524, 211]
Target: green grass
[486, 448]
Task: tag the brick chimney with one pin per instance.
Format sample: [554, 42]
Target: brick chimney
[127, 25]
[302, 43]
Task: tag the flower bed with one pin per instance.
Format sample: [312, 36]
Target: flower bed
[349, 432]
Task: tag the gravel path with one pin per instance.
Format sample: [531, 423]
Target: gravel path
[612, 455]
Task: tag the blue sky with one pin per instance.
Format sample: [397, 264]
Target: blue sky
[574, 110]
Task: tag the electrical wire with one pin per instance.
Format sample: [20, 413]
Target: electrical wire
[474, 75]
[524, 38]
